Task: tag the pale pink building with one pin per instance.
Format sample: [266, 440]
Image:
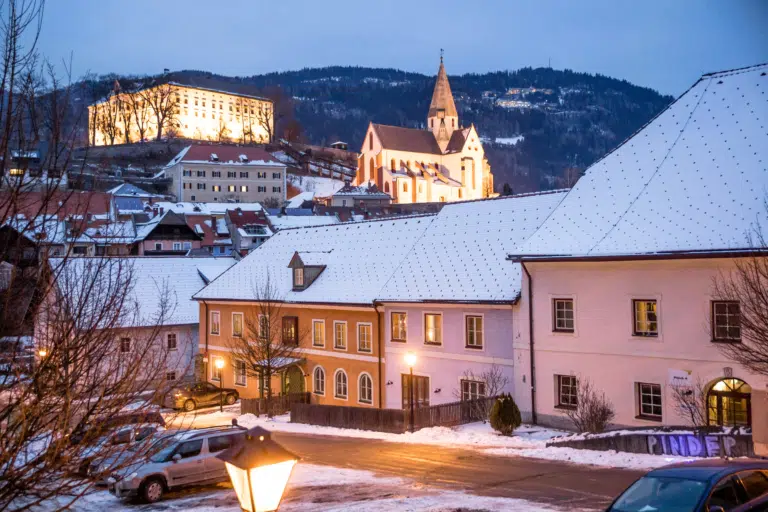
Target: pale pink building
[619, 278]
[453, 301]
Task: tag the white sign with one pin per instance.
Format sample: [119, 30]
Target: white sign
[679, 377]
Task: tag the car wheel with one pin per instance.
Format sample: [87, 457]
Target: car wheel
[152, 490]
[230, 399]
[189, 405]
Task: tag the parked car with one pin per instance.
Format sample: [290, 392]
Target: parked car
[199, 394]
[98, 427]
[183, 459]
[102, 469]
[117, 445]
[707, 485]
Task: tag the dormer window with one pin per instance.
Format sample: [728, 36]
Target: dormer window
[298, 277]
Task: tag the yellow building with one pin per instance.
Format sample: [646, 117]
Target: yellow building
[200, 108]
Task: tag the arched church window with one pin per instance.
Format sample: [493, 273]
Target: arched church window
[392, 165]
[405, 187]
[370, 143]
[386, 187]
[729, 403]
[372, 167]
[453, 123]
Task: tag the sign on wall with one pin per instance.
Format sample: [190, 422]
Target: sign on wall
[679, 377]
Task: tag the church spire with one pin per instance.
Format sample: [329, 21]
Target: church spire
[442, 118]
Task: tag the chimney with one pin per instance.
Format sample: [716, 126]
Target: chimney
[162, 210]
[166, 71]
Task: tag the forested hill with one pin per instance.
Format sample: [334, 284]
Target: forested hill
[566, 119]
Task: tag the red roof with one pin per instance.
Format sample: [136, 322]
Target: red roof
[198, 152]
[241, 218]
[32, 204]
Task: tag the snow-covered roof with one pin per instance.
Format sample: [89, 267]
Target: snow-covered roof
[348, 277]
[315, 258]
[177, 278]
[191, 208]
[127, 189]
[299, 199]
[694, 178]
[300, 221]
[462, 256]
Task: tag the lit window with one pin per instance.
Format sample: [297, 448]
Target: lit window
[171, 341]
[217, 188]
[318, 333]
[243, 188]
[241, 376]
[645, 318]
[399, 326]
[365, 391]
[567, 391]
[215, 322]
[231, 188]
[237, 325]
[364, 337]
[563, 315]
[726, 321]
[433, 329]
[298, 277]
[474, 331]
[649, 401]
[340, 335]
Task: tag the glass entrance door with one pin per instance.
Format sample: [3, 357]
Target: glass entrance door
[729, 403]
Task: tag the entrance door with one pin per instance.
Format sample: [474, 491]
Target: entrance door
[420, 391]
[729, 403]
[293, 382]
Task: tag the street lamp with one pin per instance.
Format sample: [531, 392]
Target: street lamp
[42, 353]
[410, 360]
[219, 365]
[259, 469]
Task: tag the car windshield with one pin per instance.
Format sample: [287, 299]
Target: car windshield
[163, 449]
[660, 494]
[153, 440]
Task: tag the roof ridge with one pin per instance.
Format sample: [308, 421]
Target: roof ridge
[734, 71]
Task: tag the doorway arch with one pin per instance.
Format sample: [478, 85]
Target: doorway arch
[729, 403]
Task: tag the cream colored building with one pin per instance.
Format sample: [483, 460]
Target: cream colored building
[193, 112]
[214, 173]
[446, 162]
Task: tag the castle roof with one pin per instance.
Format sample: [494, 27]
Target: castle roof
[442, 98]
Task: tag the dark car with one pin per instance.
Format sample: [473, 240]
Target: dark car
[196, 395]
[699, 486]
[98, 427]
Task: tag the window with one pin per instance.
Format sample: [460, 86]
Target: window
[567, 390]
[276, 189]
[472, 389]
[201, 186]
[221, 443]
[261, 188]
[318, 381]
[649, 401]
[201, 174]
[290, 330]
[243, 174]
[230, 188]
[263, 327]
[340, 335]
[171, 341]
[237, 325]
[433, 329]
[243, 188]
[318, 333]
[420, 390]
[191, 198]
[370, 142]
[217, 188]
[190, 448]
[158, 246]
[231, 174]
[261, 175]
[176, 246]
[216, 372]
[365, 389]
[474, 332]
[405, 187]
[187, 186]
[186, 173]
[724, 495]
[646, 319]
[170, 375]
[298, 277]
[340, 385]
[364, 337]
[399, 327]
[125, 345]
[562, 310]
[241, 378]
[216, 174]
[215, 322]
[755, 483]
[726, 321]
[276, 175]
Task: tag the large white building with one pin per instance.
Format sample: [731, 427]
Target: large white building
[446, 162]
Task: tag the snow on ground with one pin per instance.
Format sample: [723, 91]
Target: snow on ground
[528, 441]
[321, 186]
[509, 141]
[315, 488]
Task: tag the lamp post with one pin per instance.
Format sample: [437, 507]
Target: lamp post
[410, 360]
[219, 366]
[259, 469]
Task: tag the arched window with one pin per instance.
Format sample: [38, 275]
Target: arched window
[318, 380]
[340, 385]
[405, 186]
[386, 187]
[729, 403]
[461, 193]
[365, 389]
[373, 171]
[370, 144]
[392, 165]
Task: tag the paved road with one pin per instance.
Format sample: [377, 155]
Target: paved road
[566, 485]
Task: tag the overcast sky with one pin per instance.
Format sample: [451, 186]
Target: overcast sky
[664, 44]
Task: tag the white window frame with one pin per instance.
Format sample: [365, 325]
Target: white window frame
[210, 323]
[158, 246]
[471, 382]
[177, 246]
[236, 374]
[639, 401]
[314, 380]
[171, 372]
[558, 385]
[242, 324]
[346, 377]
[314, 340]
[646, 298]
[424, 328]
[346, 336]
[360, 388]
[175, 341]
[370, 326]
[555, 327]
[392, 327]
[298, 277]
[481, 346]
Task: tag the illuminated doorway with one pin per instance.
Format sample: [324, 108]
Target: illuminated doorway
[729, 403]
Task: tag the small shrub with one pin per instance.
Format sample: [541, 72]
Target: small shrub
[594, 411]
[505, 416]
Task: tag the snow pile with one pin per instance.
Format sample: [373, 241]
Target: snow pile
[322, 187]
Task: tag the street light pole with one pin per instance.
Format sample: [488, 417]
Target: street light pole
[410, 360]
[219, 366]
[411, 386]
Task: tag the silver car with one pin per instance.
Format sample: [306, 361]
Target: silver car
[179, 460]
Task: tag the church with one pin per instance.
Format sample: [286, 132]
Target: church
[442, 163]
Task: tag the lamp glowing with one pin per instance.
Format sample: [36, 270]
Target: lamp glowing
[219, 364]
[410, 359]
[259, 469]
[42, 352]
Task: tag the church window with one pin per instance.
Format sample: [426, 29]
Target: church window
[370, 144]
[405, 187]
[432, 123]
[392, 165]
[453, 123]
[386, 187]
[461, 194]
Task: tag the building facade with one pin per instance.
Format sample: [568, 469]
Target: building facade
[445, 162]
[227, 174]
[186, 111]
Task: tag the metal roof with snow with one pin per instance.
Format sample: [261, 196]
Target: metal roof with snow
[695, 178]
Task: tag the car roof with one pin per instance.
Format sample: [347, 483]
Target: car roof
[709, 469]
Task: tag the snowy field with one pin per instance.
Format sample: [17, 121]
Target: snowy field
[321, 186]
[528, 440]
[316, 488]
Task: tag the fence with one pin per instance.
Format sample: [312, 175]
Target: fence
[279, 404]
[391, 420]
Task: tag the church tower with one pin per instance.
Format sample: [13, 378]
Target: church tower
[442, 118]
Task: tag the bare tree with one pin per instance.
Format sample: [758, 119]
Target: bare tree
[222, 132]
[141, 113]
[265, 119]
[162, 102]
[593, 411]
[493, 381]
[690, 402]
[745, 291]
[270, 341]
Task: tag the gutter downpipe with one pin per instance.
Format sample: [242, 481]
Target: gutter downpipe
[381, 336]
[207, 329]
[531, 344]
